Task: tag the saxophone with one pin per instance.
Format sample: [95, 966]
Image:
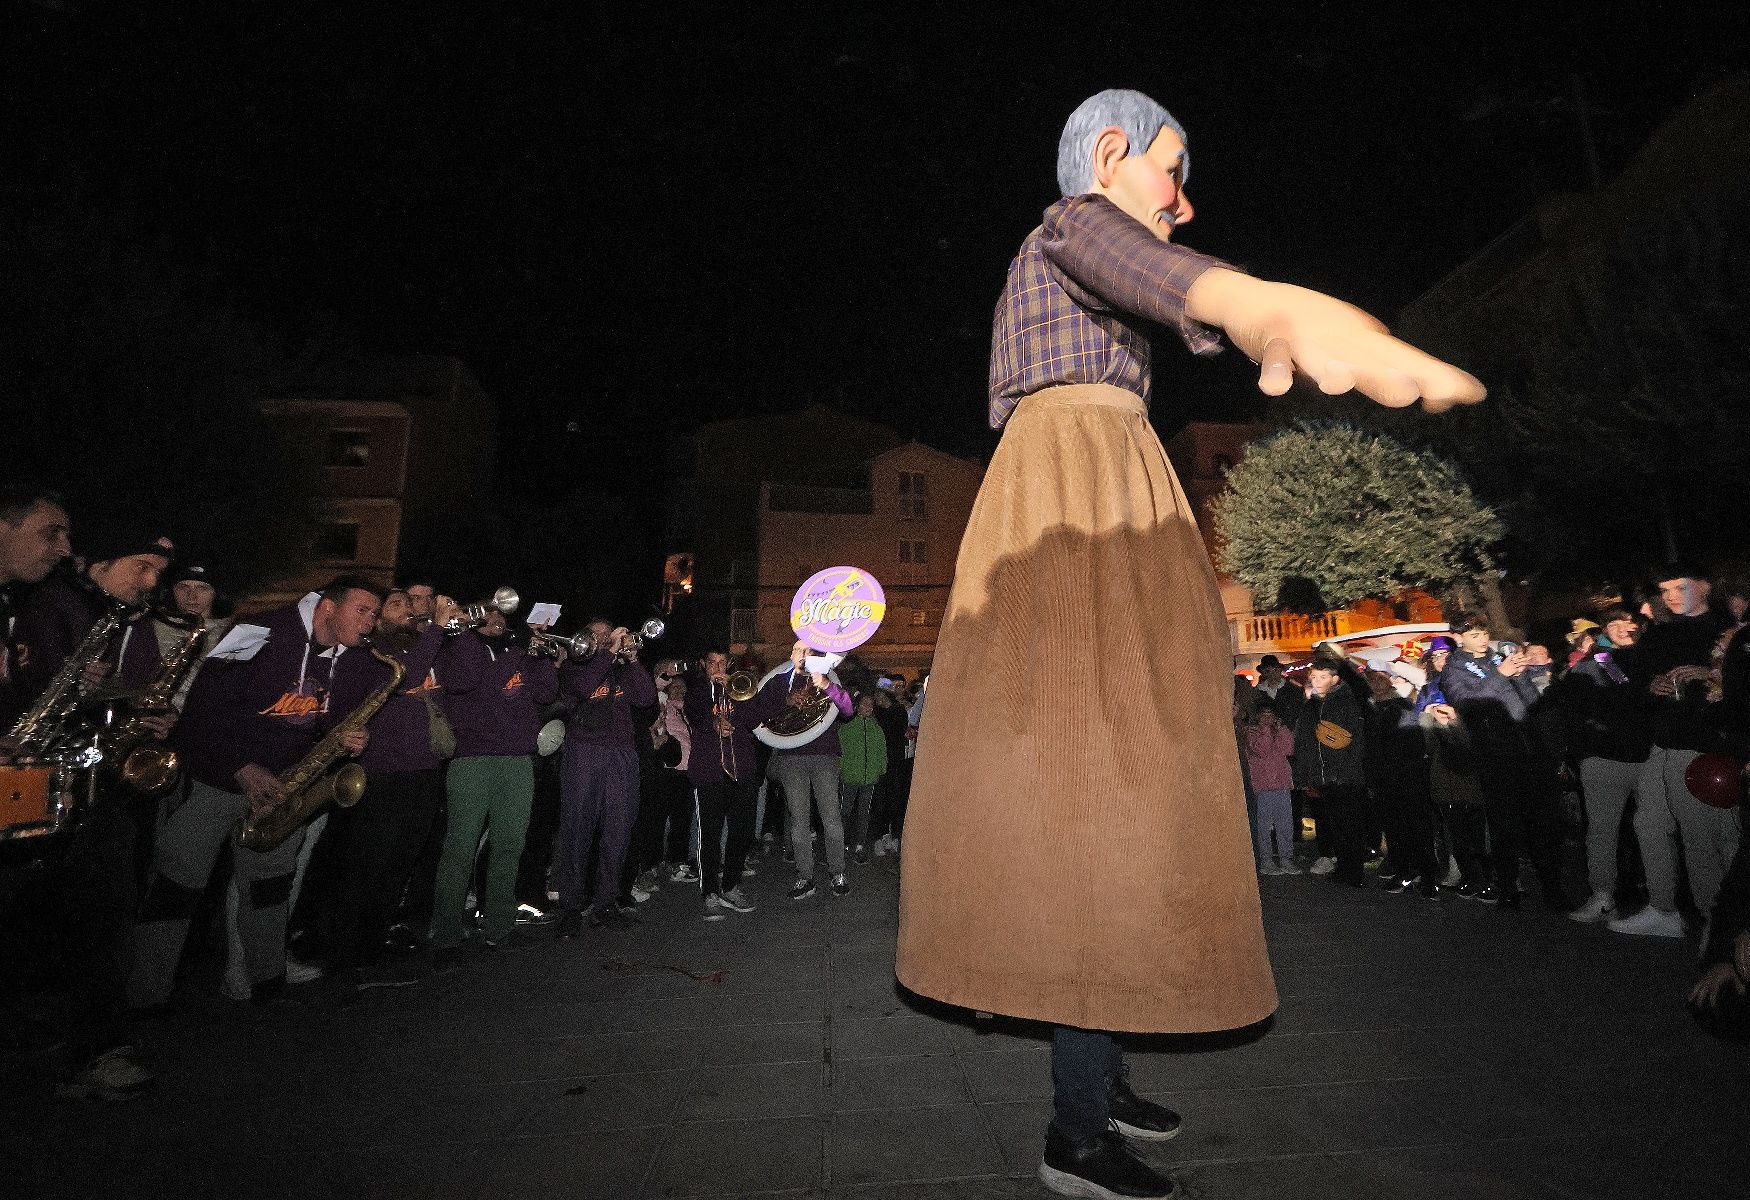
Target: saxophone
[144, 763]
[40, 729]
[309, 788]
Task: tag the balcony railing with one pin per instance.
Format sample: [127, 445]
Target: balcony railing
[1267, 632]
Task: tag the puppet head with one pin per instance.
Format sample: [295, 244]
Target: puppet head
[1124, 146]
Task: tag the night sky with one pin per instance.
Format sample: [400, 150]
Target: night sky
[637, 217]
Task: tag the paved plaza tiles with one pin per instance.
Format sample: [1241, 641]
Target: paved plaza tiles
[1424, 1050]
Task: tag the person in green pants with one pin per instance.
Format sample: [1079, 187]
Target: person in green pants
[492, 692]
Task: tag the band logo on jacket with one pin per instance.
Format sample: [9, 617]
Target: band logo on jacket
[299, 707]
[514, 684]
[428, 684]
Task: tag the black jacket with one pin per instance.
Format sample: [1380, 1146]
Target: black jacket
[1318, 765]
[1605, 716]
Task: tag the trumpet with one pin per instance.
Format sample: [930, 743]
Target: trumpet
[647, 632]
[504, 600]
[578, 645]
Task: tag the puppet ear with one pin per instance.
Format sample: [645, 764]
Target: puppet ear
[1111, 145]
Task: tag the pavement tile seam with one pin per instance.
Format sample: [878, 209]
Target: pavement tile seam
[1471, 1145]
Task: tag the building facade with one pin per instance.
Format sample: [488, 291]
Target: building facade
[387, 446]
[904, 527]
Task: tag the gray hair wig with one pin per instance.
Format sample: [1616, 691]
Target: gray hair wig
[1140, 118]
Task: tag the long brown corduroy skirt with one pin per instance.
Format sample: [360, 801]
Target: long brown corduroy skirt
[1076, 848]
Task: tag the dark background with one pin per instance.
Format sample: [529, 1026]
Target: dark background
[627, 219]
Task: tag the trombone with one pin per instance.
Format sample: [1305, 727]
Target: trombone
[504, 600]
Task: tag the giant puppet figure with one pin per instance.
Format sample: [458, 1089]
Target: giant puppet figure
[1076, 849]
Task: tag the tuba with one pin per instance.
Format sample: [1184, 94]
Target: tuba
[144, 763]
[308, 785]
[800, 722]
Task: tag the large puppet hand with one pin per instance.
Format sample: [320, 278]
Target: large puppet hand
[1285, 329]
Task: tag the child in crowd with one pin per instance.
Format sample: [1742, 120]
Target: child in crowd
[1268, 745]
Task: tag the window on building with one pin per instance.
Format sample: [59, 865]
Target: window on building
[338, 541]
[348, 448]
[914, 496]
[914, 551]
[744, 626]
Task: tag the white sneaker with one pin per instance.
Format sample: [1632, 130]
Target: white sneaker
[684, 874]
[1650, 922]
[714, 908]
[1287, 866]
[1599, 908]
[1323, 866]
[640, 894]
[1266, 867]
[301, 972]
[735, 900]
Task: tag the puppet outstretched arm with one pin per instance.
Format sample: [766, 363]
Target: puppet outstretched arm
[1287, 329]
[1281, 327]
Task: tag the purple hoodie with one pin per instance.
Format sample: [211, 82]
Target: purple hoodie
[706, 763]
[601, 680]
[828, 742]
[401, 730]
[493, 693]
[55, 618]
[265, 694]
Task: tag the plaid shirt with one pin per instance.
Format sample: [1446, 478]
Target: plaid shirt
[1069, 312]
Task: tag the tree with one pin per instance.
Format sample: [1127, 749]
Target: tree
[1353, 514]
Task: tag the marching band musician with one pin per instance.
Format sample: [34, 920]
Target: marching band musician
[813, 769]
[721, 769]
[34, 528]
[493, 692]
[599, 780]
[379, 839]
[264, 698]
[122, 567]
[96, 881]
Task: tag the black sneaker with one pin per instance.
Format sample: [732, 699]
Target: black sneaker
[860, 855]
[1137, 1118]
[570, 924]
[1499, 897]
[1401, 883]
[1102, 1167]
[802, 889]
[841, 885]
[611, 916]
[1469, 890]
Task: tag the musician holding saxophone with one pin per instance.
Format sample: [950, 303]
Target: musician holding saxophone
[721, 716]
[263, 702]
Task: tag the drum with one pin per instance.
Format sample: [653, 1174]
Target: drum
[35, 799]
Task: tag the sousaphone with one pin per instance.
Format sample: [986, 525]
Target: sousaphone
[800, 722]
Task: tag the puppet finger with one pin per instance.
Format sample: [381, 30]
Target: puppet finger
[1275, 367]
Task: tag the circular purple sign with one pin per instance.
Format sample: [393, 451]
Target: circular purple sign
[838, 609]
